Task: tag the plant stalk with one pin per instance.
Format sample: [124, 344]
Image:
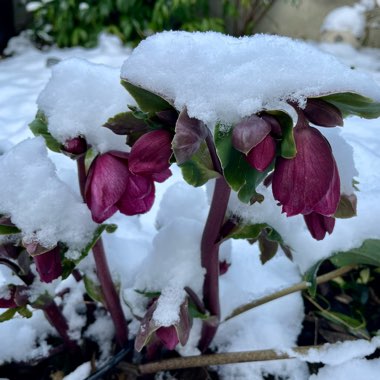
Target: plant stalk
[210, 251]
[55, 317]
[220, 359]
[292, 289]
[111, 297]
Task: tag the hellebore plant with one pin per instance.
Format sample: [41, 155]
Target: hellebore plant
[125, 181]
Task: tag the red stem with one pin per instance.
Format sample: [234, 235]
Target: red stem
[111, 297]
[210, 251]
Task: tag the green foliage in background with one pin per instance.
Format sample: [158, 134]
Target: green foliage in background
[69, 23]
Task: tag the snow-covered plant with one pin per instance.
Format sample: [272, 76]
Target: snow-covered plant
[249, 117]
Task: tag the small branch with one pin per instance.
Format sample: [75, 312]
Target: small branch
[81, 166]
[111, 297]
[220, 359]
[292, 289]
[55, 317]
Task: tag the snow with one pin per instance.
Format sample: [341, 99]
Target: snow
[346, 19]
[249, 74]
[80, 373]
[38, 202]
[79, 98]
[167, 258]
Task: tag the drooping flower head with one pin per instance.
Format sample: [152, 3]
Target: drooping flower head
[125, 181]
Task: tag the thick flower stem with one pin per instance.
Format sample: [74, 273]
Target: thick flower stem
[109, 292]
[111, 297]
[210, 259]
[55, 317]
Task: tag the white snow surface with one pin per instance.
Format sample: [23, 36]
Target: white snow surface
[79, 98]
[38, 202]
[142, 257]
[249, 74]
[346, 19]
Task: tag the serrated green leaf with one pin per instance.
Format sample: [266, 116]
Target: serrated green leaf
[368, 253]
[354, 104]
[199, 169]
[146, 100]
[8, 230]
[39, 127]
[238, 173]
[288, 146]
[8, 314]
[93, 289]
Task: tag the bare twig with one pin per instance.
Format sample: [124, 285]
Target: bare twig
[292, 289]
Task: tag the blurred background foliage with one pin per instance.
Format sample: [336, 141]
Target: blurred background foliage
[68, 23]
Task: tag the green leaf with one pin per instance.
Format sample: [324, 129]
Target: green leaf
[368, 253]
[8, 230]
[8, 314]
[126, 123]
[146, 100]
[68, 265]
[311, 277]
[288, 146]
[147, 293]
[199, 169]
[247, 231]
[354, 104]
[238, 173]
[346, 207]
[93, 289]
[24, 311]
[195, 313]
[39, 127]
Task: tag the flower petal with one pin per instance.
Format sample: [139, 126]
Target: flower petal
[262, 154]
[138, 197]
[151, 153]
[162, 176]
[168, 336]
[49, 265]
[106, 183]
[319, 224]
[249, 132]
[301, 182]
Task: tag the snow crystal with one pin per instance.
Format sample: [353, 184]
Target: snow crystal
[353, 370]
[346, 19]
[79, 98]
[41, 205]
[338, 353]
[223, 78]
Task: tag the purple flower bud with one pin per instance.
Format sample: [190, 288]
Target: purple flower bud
[168, 336]
[309, 181]
[261, 156]
[322, 113]
[319, 224]
[249, 132]
[76, 146]
[49, 265]
[151, 153]
[223, 267]
[8, 301]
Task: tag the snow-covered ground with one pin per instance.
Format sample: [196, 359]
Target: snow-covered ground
[274, 325]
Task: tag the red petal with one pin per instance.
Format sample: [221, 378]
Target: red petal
[262, 154]
[106, 183]
[162, 176]
[329, 203]
[301, 182]
[151, 153]
[168, 336]
[138, 197]
[318, 225]
[49, 265]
